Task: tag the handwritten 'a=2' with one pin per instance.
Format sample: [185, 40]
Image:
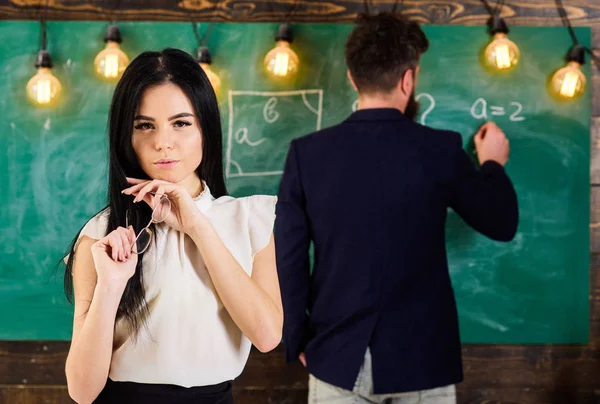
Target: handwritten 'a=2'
[479, 110]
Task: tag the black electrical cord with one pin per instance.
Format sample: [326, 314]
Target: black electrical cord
[395, 6]
[292, 12]
[493, 12]
[488, 8]
[43, 18]
[202, 40]
[567, 23]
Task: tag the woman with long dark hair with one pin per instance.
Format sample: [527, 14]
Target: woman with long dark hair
[173, 281]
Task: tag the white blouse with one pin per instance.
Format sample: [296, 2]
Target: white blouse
[189, 338]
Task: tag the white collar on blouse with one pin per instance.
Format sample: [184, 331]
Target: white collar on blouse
[205, 199]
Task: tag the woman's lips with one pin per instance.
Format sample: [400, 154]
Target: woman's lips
[166, 163]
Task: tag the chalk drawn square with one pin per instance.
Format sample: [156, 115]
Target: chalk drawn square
[261, 126]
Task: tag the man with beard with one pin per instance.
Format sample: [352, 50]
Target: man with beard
[376, 320]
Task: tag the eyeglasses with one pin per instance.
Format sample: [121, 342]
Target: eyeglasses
[159, 214]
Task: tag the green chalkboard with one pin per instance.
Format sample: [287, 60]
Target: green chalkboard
[53, 162]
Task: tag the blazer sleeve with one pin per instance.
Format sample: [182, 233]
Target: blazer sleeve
[485, 198]
[292, 241]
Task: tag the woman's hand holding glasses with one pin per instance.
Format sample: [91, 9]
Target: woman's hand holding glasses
[113, 259]
[179, 212]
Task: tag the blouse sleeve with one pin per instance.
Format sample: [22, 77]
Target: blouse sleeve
[95, 228]
[261, 218]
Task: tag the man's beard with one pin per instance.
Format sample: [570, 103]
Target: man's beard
[412, 108]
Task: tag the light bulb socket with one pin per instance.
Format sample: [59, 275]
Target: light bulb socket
[43, 59]
[576, 54]
[113, 34]
[284, 33]
[204, 55]
[497, 25]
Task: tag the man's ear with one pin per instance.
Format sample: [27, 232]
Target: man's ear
[351, 80]
[407, 83]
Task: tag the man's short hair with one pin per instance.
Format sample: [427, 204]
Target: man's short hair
[381, 48]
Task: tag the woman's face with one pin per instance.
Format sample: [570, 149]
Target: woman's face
[166, 136]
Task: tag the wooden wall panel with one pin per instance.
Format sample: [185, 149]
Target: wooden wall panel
[465, 12]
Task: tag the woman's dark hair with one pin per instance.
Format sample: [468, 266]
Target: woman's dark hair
[147, 70]
[381, 48]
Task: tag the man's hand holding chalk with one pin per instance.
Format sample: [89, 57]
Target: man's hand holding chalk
[491, 144]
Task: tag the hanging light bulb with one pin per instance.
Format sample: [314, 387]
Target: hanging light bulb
[282, 61]
[111, 62]
[205, 60]
[569, 82]
[501, 54]
[43, 88]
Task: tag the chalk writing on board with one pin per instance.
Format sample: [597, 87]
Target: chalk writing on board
[281, 110]
[430, 108]
[479, 110]
[515, 116]
[241, 137]
[269, 112]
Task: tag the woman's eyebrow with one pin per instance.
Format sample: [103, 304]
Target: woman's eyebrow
[181, 115]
